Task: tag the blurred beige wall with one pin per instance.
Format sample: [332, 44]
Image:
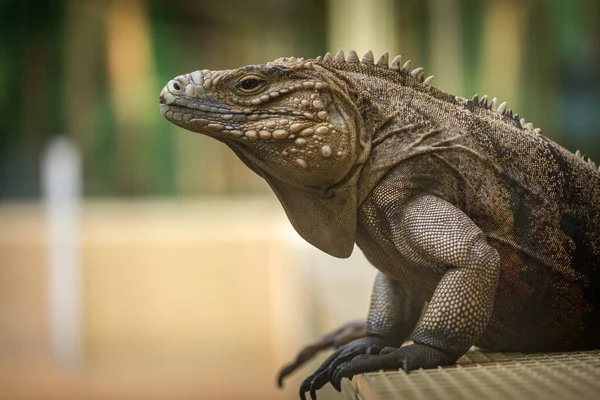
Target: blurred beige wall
[208, 297]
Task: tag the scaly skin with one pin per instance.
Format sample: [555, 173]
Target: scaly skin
[458, 203]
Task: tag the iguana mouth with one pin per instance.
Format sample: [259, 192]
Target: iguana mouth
[206, 119]
[214, 120]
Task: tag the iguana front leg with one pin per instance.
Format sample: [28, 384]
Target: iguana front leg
[431, 233]
[393, 315]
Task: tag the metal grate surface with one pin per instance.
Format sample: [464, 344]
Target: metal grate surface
[481, 375]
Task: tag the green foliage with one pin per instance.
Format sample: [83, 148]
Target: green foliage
[558, 80]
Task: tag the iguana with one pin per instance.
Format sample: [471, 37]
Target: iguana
[484, 231]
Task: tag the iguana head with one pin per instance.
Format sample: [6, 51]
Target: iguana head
[292, 124]
[283, 118]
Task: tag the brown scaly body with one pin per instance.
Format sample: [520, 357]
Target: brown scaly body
[459, 204]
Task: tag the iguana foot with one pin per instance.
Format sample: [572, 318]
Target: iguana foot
[350, 361]
[364, 346]
[408, 357]
[346, 334]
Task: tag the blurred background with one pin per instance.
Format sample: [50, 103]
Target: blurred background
[141, 260]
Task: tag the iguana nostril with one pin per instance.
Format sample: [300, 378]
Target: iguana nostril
[176, 86]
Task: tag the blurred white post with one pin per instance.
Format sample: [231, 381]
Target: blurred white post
[61, 179]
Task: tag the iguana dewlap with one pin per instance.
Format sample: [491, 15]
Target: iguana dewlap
[464, 208]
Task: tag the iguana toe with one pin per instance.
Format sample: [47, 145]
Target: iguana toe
[345, 334]
[366, 345]
[408, 358]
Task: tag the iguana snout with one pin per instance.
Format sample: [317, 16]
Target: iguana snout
[283, 121]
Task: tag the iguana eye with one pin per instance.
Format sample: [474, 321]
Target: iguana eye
[250, 84]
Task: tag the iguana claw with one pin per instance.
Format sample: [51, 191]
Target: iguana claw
[366, 345]
[346, 334]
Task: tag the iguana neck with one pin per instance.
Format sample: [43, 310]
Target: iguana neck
[398, 113]
[394, 102]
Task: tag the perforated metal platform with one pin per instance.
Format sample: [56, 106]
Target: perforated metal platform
[482, 375]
